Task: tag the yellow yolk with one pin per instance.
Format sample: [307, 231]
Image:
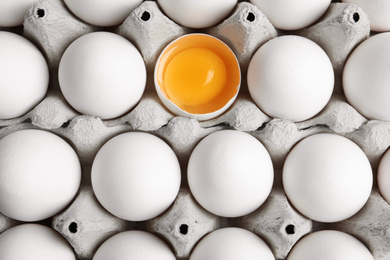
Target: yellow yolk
[197, 74]
[194, 77]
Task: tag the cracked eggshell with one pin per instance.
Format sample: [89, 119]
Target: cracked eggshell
[197, 76]
[40, 175]
[34, 242]
[24, 76]
[102, 74]
[102, 12]
[197, 13]
[136, 176]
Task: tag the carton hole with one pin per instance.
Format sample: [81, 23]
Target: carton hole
[290, 229]
[145, 16]
[40, 13]
[251, 17]
[183, 229]
[356, 17]
[73, 227]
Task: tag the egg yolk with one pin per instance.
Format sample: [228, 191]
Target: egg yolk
[198, 73]
[194, 77]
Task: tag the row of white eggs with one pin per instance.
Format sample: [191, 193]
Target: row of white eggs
[136, 176]
[288, 77]
[33, 241]
[201, 14]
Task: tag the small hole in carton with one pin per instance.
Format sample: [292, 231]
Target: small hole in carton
[251, 17]
[145, 16]
[183, 229]
[290, 229]
[356, 17]
[40, 13]
[73, 227]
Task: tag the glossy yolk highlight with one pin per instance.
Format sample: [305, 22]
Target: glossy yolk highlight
[194, 77]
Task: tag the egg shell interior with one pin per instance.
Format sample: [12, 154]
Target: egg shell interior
[86, 225]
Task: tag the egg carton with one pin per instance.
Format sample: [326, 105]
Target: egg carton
[86, 224]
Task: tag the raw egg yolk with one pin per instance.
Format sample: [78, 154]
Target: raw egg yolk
[194, 77]
[198, 73]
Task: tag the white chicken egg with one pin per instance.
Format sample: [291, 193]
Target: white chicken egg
[290, 77]
[40, 174]
[197, 13]
[366, 77]
[231, 244]
[102, 12]
[327, 177]
[12, 12]
[24, 76]
[134, 245]
[292, 15]
[34, 242]
[230, 173]
[136, 176]
[384, 176]
[377, 10]
[102, 74]
[329, 244]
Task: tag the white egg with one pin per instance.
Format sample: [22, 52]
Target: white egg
[134, 245]
[231, 244]
[102, 74]
[197, 13]
[384, 176]
[292, 15]
[290, 77]
[377, 10]
[24, 76]
[40, 175]
[230, 173]
[327, 177]
[103, 12]
[366, 77]
[34, 242]
[12, 12]
[136, 176]
[329, 244]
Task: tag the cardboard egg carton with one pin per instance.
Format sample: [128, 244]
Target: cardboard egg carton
[86, 224]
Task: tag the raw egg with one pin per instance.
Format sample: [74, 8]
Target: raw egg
[230, 173]
[102, 12]
[384, 176]
[290, 77]
[327, 177]
[231, 244]
[377, 10]
[40, 174]
[329, 244]
[292, 15]
[34, 242]
[136, 176]
[24, 76]
[12, 12]
[197, 76]
[197, 13]
[134, 245]
[366, 77]
[102, 74]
